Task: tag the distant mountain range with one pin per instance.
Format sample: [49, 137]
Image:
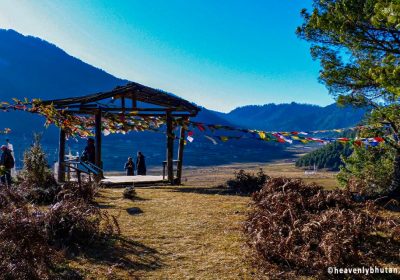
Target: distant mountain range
[31, 67]
[294, 116]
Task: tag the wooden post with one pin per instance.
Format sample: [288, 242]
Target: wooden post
[98, 141]
[170, 149]
[123, 102]
[134, 101]
[123, 106]
[61, 157]
[180, 154]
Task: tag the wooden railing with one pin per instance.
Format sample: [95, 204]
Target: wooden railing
[78, 166]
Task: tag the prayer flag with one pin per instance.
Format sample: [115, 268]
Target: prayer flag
[200, 127]
[211, 139]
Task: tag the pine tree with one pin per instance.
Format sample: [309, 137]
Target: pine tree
[358, 45]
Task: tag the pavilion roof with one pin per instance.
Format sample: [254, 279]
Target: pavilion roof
[132, 90]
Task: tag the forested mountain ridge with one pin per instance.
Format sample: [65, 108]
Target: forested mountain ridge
[294, 116]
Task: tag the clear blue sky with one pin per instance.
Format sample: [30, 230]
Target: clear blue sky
[219, 54]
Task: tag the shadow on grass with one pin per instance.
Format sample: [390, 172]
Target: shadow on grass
[105, 206]
[134, 211]
[124, 253]
[138, 198]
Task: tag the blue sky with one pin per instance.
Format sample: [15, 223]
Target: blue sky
[219, 54]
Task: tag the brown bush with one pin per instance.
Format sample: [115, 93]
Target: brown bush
[246, 182]
[301, 228]
[72, 190]
[73, 223]
[39, 192]
[33, 241]
[24, 250]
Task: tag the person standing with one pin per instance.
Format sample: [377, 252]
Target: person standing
[130, 167]
[10, 147]
[140, 164]
[89, 154]
[7, 161]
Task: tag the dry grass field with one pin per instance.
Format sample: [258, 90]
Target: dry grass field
[185, 232]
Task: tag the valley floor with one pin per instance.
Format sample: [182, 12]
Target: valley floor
[185, 232]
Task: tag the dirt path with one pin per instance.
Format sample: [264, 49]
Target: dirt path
[173, 233]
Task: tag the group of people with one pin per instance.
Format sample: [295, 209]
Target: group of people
[7, 161]
[89, 155]
[140, 165]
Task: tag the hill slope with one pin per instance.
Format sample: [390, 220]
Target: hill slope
[30, 66]
[294, 116]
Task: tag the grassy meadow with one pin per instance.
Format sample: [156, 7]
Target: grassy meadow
[182, 232]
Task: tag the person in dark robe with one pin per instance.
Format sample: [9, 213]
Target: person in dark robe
[130, 167]
[140, 164]
[7, 161]
[89, 154]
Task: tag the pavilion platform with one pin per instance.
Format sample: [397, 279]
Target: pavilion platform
[137, 181]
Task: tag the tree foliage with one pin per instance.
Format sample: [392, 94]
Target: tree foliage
[358, 45]
[368, 170]
[37, 179]
[36, 167]
[329, 156]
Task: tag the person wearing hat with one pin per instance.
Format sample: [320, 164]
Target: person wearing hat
[130, 167]
[7, 161]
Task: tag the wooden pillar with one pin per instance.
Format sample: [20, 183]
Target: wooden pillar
[61, 156]
[98, 139]
[123, 104]
[180, 154]
[134, 101]
[170, 149]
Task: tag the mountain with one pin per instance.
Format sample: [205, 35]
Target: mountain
[294, 116]
[31, 67]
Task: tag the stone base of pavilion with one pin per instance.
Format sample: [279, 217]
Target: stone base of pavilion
[137, 181]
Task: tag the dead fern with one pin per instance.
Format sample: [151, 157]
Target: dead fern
[303, 229]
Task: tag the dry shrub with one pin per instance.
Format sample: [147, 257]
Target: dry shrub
[33, 242]
[246, 182]
[301, 228]
[72, 190]
[130, 193]
[24, 250]
[73, 223]
[44, 192]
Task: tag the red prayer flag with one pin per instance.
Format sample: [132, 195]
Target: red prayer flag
[200, 127]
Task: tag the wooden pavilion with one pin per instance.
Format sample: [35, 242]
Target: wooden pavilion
[123, 101]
